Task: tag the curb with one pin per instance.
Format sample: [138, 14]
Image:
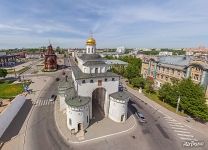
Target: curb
[161, 111]
[93, 139]
[59, 130]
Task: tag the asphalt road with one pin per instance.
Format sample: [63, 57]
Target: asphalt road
[42, 134]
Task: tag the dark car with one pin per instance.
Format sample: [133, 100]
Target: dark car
[141, 117]
[53, 98]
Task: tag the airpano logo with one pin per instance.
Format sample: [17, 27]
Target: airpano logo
[193, 144]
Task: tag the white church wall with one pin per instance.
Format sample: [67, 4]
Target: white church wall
[78, 115]
[62, 102]
[86, 89]
[117, 108]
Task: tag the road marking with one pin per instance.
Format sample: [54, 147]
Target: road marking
[175, 125]
[39, 102]
[177, 128]
[186, 135]
[42, 103]
[188, 139]
[168, 117]
[174, 122]
[181, 131]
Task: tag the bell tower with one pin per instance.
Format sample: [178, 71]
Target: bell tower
[90, 45]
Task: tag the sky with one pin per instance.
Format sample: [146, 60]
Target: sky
[114, 23]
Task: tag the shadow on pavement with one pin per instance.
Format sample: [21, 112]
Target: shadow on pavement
[98, 115]
[17, 122]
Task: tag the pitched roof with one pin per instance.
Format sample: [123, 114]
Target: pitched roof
[93, 63]
[90, 57]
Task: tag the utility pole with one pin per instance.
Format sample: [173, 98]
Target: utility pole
[179, 99]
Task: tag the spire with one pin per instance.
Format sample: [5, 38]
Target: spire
[91, 34]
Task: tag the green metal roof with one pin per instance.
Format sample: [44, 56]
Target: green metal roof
[77, 101]
[121, 95]
[80, 75]
[94, 63]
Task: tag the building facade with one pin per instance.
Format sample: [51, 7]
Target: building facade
[170, 68]
[92, 92]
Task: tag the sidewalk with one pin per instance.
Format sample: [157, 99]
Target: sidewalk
[103, 129]
[197, 126]
[38, 86]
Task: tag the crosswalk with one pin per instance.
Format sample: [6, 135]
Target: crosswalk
[181, 131]
[43, 102]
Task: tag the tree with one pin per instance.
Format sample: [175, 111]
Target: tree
[3, 73]
[138, 82]
[149, 85]
[191, 95]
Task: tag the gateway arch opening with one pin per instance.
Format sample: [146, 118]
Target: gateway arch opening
[98, 101]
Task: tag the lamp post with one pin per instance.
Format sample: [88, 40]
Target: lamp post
[179, 99]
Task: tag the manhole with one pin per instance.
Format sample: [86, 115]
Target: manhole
[134, 137]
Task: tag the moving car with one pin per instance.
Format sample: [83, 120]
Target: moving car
[141, 117]
[53, 98]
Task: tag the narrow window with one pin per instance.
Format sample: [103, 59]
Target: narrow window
[91, 81]
[83, 81]
[106, 79]
[99, 82]
[70, 122]
[87, 119]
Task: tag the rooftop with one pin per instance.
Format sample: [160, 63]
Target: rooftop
[77, 101]
[119, 62]
[80, 75]
[175, 60]
[93, 63]
[90, 57]
[121, 95]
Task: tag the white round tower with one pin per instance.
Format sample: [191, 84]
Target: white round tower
[118, 106]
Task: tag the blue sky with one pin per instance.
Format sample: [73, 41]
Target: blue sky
[129, 23]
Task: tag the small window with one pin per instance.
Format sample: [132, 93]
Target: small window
[70, 122]
[113, 79]
[83, 81]
[106, 79]
[99, 82]
[91, 81]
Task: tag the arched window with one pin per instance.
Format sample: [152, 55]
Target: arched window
[91, 81]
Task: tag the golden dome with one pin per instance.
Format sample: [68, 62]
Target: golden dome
[91, 41]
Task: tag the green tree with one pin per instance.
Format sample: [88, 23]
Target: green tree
[149, 87]
[138, 82]
[191, 95]
[3, 73]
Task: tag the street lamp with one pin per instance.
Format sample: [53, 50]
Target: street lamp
[178, 102]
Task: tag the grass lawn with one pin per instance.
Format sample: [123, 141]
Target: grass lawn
[8, 90]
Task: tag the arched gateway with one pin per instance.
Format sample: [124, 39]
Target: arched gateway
[93, 92]
[98, 101]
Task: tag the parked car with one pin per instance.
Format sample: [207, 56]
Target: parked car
[53, 98]
[141, 117]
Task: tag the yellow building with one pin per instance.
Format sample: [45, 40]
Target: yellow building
[171, 68]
